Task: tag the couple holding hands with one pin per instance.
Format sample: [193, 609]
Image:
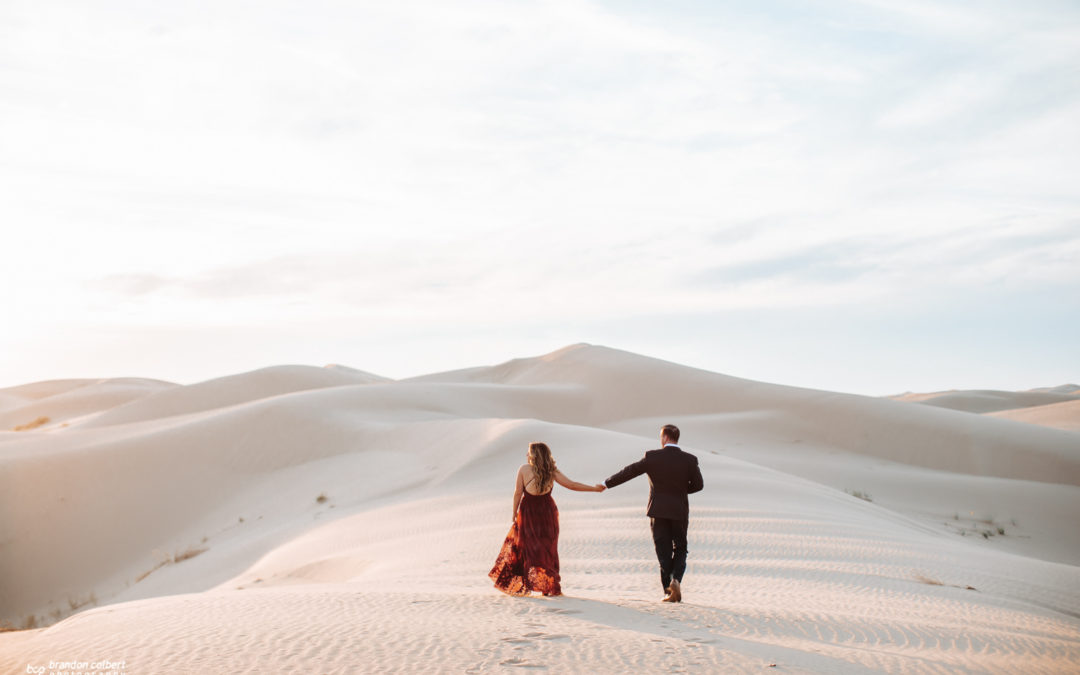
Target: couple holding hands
[529, 559]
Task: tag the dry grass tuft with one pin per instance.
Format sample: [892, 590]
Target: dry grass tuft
[151, 571]
[33, 621]
[41, 421]
[188, 554]
[987, 527]
[79, 602]
[321, 499]
[171, 559]
[927, 580]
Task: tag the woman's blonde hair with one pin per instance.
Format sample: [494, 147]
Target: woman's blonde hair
[543, 464]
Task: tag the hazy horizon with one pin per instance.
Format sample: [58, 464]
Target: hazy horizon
[188, 381]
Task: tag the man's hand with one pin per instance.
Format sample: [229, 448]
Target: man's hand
[600, 487]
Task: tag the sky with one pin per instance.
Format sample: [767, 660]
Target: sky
[871, 196]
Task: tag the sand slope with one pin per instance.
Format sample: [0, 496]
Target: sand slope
[985, 401]
[338, 522]
[1054, 407]
[64, 401]
[231, 390]
[1064, 415]
[1073, 389]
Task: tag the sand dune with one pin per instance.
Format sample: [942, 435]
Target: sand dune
[1054, 407]
[1064, 415]
[68, 400]
[1072, 389]
[621, 388]
[326, 520]
[233, 389]
[985, 401]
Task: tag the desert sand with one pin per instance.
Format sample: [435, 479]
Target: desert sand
[327, 520]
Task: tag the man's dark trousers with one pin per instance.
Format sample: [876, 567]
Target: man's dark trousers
[669, 538]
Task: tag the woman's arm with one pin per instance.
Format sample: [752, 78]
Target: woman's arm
[574, 485]
[519, 487]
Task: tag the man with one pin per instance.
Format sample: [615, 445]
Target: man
[673, 474]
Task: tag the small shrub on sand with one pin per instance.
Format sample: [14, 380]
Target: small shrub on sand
[170, 559]
[985, 527]
[151, 571]
[321, 499]
[39, 422]
[922, 579]
[80, 602]
[29, 623]
[191, 552]
[859, 494]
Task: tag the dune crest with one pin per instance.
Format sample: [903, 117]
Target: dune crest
[232, 390]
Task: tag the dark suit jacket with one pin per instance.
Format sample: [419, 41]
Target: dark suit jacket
[673, 474]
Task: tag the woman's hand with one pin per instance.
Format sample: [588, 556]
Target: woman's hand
[599, 487]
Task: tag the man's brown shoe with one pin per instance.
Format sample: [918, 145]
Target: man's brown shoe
[674, 592]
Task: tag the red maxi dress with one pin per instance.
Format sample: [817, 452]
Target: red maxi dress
[529, 559]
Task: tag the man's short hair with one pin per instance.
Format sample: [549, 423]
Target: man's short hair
[671, 431]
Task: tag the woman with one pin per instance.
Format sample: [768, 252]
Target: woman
[529, 559]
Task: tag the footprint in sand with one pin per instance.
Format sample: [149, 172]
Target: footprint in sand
[528, 638]
[519, 663]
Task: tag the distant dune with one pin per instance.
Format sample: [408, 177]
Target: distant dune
[1064, 415]
[68, 400]
[232, 390]
[1055, 407]
[984, 401]
[308, 519]
[1073, 389]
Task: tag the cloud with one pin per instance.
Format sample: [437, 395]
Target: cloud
[132, 284]
[836, 263]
